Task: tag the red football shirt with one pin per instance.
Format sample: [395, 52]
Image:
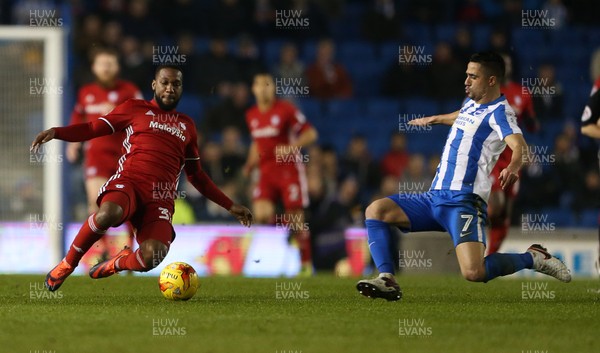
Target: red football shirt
[522, 104]
[279, 125]
[95, 100]
[157, 145]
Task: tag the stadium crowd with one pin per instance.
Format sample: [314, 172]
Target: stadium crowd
[224, 42]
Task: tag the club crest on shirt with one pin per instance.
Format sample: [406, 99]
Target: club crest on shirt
[113, 96]
[182, 126]
[275, 120]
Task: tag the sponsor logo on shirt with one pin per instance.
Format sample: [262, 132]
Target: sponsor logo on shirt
[169, 129]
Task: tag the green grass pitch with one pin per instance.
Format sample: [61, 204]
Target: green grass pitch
[320, 314]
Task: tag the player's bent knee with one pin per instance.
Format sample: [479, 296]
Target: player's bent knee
[375, 210]
[109, 215]
[474, 275]
[153, 252]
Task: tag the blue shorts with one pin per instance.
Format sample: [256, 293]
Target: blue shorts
[463, 215]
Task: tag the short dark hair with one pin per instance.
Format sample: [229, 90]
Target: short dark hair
[166, 66]
[492, 63]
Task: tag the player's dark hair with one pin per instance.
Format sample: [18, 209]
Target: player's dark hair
[94, 52]
[492, 63]
[160, 67]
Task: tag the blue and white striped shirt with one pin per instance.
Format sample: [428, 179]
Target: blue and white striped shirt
[474, 143]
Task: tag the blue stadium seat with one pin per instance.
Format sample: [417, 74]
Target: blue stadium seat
[382, 109]
[340, 108]
[308, 52]
[388, 53]
[270, 52]
[421, 106]
[480, 36]
[311, 108]
[366, 77]
[356, 51]
[417, 33]
[191, 106]
[587, 219]
[558, 216]
[445, 32]
[201, 45]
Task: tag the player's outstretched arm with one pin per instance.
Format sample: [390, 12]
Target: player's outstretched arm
[510, 174]
[444, 119]
[307, 137]
[72, 133]
[252, 160]
[202, 182]
[41, 138]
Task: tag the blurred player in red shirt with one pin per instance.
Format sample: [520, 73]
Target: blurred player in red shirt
[501, 201]
[93, 101]
[159, 143]
[279, 131]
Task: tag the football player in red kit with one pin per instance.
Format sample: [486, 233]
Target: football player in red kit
[501, 200]
[93, 101]
[279, 130]
[159, 142]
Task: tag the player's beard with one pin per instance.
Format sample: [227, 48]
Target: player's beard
[164, 106]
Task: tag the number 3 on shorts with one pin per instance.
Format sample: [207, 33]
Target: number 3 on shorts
[164, 214]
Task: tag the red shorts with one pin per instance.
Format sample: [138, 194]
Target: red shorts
[150, 215]
[285, 184]
[100, 164]
[510, 192]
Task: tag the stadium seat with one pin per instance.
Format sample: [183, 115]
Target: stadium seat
[481, 37]
[312, 108]
[191, 106]
[382, 108]
[420, 106]
[445, 32]
[356, 51]
[270, 52]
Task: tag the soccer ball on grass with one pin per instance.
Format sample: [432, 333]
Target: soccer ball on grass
[178, 281]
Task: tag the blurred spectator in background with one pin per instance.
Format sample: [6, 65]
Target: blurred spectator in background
[401, 80]
[326, 78]
[381, 21]
[330, 166]
[111, 34]
[139, 22]
[396, 159]
[595, 65]
[558, 11]
[187, 16]
[548, 95]
[289, 66]
[215, 70]
[499, 41]
[463, 45]
[231, 111]
[329, 214]
[248, 60]
[136, 67]
[446, 75]
[87, 33]
[569, 174]
[233, 155]
[470, 12]
[229, 17]
[416, 174]
[186, 48]
[359, 163]
[517, 97]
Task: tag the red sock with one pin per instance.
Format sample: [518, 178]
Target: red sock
[132, 262]
[304, 244]
[497, 235]
[87, 236]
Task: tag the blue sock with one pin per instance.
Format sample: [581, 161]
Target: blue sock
[505, 264]
[378, 236]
